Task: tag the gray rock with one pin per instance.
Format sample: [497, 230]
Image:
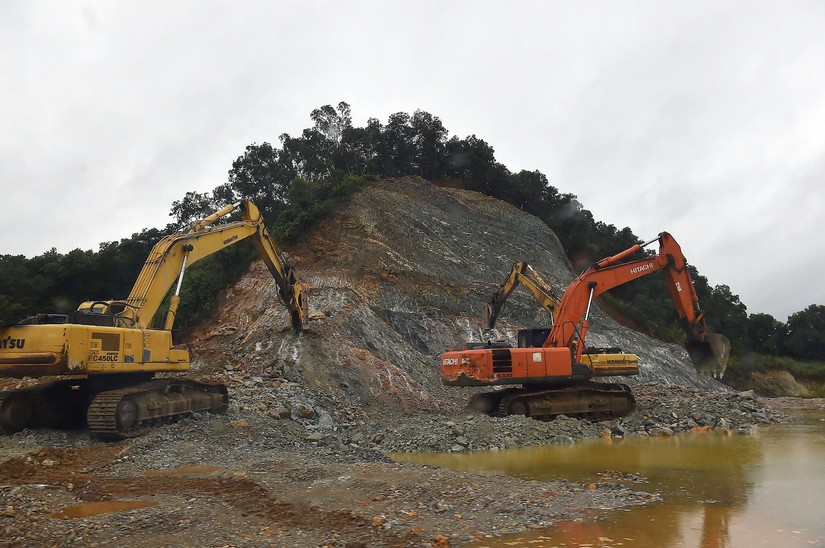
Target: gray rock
[280, 413]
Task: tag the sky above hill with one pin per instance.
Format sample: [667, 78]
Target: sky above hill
[704, 119]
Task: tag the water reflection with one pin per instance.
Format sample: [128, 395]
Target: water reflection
[717, 490]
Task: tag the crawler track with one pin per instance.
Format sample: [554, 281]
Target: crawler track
[127, 412]
[50, 404]
[589, 400]
[109, 414]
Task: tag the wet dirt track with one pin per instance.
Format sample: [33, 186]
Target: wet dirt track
[221, 501]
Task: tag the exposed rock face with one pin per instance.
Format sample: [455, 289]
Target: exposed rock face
[300, 457]
[397, 277]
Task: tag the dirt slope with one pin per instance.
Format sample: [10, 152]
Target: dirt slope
[397, 277]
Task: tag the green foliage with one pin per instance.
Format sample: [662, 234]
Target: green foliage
[800, 369]
[57, 283]
[332, 123]
[312, 201]
[764, 334]
[741, 369]
[472, 161]
[262, 174]
[21, 289]
[193, 207]
[805, 334]
[729, 316]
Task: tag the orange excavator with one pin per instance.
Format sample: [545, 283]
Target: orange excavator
[555, 370]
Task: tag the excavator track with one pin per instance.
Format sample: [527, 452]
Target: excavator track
[128, 412]
[589, 400]
[51, 404]
[7, 415]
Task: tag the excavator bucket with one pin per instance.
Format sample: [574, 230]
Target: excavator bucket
[489, 316]
[710, 356]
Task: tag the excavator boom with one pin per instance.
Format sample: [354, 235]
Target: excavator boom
[708, 351]
[170, 257]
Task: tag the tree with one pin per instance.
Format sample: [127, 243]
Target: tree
[332, 123]
[472, 161]
[309, 157]
[805, 334]
[262, 176]
[764, 332]
[397, 154]
[429, 137]
[359, 152]
[729, 315]
[528, 192]
[21, 288]
[192, 207]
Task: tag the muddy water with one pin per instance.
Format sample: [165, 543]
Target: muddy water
[716, 490]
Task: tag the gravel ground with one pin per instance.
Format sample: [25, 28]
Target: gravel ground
[280, 469]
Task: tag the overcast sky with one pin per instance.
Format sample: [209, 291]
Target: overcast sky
[704, 119]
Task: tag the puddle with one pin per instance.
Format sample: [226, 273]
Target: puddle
[95, 508]
[716, 490]
[194, 469]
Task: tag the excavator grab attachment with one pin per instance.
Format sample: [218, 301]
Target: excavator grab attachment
[489, 315]
[709, 356]
[521, 274]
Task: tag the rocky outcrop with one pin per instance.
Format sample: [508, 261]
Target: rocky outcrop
[396, 277]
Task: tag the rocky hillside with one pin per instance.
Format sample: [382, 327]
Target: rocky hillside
[398, 276]
[301, 456]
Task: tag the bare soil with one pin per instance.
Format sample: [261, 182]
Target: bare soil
[786, 402]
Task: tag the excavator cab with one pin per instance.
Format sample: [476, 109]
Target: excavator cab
[709, 356]
[533, 338]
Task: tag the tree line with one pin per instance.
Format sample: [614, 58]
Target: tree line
[303, 180]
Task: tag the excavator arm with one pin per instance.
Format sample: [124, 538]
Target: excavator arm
[708, 351]
[521, 273]
[168, 260]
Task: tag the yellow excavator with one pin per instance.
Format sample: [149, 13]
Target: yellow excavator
[104, 355]
[524, 274]
[603, 362]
